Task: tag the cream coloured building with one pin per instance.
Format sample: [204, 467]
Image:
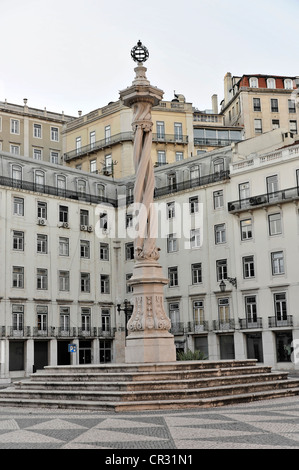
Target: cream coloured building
[229, 246]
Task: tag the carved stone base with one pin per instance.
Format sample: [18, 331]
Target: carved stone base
[148, 337]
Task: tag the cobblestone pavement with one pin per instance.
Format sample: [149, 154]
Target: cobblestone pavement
[272, 424]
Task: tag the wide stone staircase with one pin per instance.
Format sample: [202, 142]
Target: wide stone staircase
[123, 387]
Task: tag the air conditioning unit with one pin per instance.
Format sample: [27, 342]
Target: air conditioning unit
[41, 221]
[65, 225]
[89, 228]
[83, 227]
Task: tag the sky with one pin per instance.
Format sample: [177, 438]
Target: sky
[71, 55]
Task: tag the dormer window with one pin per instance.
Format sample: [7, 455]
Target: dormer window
[288, 84]
[271, 83]
[253, 82]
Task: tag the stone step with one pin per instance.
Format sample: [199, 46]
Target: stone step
[149, 384]
[148, 367]
[146, 376]
[149, 404]
[145, 395]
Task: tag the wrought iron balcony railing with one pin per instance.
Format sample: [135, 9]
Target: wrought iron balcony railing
[274, 322]
[170, 138]
[247, 324]
[194, 327]
[177, 328]
[222, 325]
[214, 142]
[277, 197]
[99, 145]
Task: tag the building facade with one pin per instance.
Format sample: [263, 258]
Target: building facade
[228, 233]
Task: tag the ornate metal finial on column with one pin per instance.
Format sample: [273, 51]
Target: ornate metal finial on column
[149, 339]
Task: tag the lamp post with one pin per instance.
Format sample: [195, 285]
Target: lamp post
[127, 309]
[148, 338]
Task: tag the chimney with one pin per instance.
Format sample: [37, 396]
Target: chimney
[215, 104]
[228, 83]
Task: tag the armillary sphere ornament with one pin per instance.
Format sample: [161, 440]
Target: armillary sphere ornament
[139, 53]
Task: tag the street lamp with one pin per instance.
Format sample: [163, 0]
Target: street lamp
[232, 280]
[127, 309]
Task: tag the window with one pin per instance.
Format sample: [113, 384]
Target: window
[85, 319]
[54, 134]
[105, 319]
[292, 106]
[280, 306]
[171, 181]
[63, 214]
[275, 124]
[37, 154]
[293, 126]
[107, 134]
[253, 82]
[171, 243]
[277, 262]
[85, 282]
[288, 84]
[42, 243]
[194, 173]
[251, 309]
[170, 210]
[220, 234]
[15, 149]
[129, 220]
[160, 130]
[246, 229]
[84, 249]
[64, 313]
[54, 157]
[193, 204]
[41, 279]
[92, 139]
[14, 126]
[195, 238]
[274, 105]
[18, 317]
[18, 277]
[39, 180]
[61, 185]
[221, 269]
[258, 126]
[81, 187]
[129, 249]
[42, 317]
[18, 206]
[18, 240]
[16, 173]
[179, 156]
[196, 273]
[198, 312]
[174, 313]
[108, 163]
[248, 267]
[41, 210]
[101, 191]
[218, 165]
[105, 284]
[64, 281]
[256, 104]
[161, 157]
[63, 246]
[104, 251]
[178, 131]
[223, 310]
[272, 186]
[129, 288]
[271, 83]
[218, 199]
[103, 220]
[78, 144]
[275, 225]
[105, 351]
[93, 166]
[37, 131]
[173, 276]
[84, 217]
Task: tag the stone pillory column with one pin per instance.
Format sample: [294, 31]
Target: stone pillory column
[148, 337]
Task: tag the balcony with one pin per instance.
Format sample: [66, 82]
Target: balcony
[193, 327]
[170, 139]
[54, 332]
[250, 324]
[262, 200]
[99, 145]
[223, 325]
[177, 328]
[274, 322]
[214, 142]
